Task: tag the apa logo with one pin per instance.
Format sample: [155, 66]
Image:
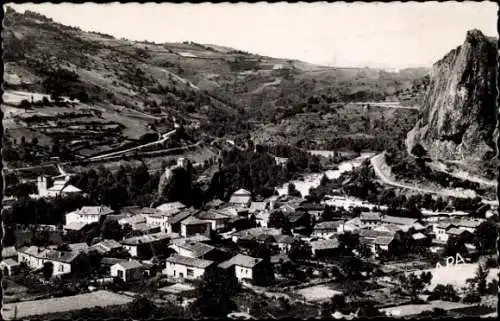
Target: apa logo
[450, 260]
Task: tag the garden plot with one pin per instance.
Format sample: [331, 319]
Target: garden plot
[318, 293]
[65, 304]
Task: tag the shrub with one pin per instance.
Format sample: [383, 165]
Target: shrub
[472, 298]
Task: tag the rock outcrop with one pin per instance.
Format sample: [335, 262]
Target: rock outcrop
[458, 117]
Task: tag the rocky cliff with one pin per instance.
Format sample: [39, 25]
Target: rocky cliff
[458, 116]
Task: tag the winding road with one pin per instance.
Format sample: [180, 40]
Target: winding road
[378, 164]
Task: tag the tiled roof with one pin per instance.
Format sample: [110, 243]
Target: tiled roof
[171, 208]
[111, 261]
[215, 203]
[257, 206]
[95, 210]
[242, 192]
[149, 238]
[53, 255]
[66, 189]
[106, 245]
[258, 231]
[455, 231]
[383, 240]
[365, 233]
[212, 215]
[399, 220]
[182, 215]
[370, 216]
[9, 251]
[287, 239]
[241, 260]
[325, 244]
[130, 264]
[295, 216]
[329, 225]
[469, 223]
[194, 221]
[198, 249]
[240, 199]
[418, 236]
[10, 262]
[188, 261]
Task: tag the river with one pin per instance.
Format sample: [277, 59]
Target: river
[313, 180]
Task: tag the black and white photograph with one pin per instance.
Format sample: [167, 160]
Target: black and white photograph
[250, 160]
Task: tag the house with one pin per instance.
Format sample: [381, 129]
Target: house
[469, 225]
[234, 211]
[257, 207]
[88, 215]
[132, 220]
[143, 246]
[370, 218]
[315, 209]
[174, 222]
[179, 266]
[440, 230]
[128, 271]
[351, 225]
[65, 262]
[218, 220]
[157, 219]
[171, 208]
[192, 225]
[299, 218]
[241, 197]
[420, 238]
[327, 229]
[262, 218]
[383, 243]
[283, 242]
[325, 247]
[244, 267]
[144, 228]
[396, 220]
[9, 252]
[10, 267]
[254, 232]
[458, 232]
[215, 204]
[106, 246]
[57, 187]
[198, 250]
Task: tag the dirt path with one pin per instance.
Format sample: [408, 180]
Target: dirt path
[461, 174]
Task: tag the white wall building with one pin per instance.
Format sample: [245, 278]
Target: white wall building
[182, 267]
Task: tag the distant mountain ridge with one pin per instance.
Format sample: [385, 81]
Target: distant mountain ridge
[458, 119]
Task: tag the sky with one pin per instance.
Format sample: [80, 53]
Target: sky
[383, 35]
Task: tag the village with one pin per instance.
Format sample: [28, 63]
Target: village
[285, 248]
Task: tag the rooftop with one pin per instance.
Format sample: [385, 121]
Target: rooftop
[212, 215]
[182, 215]
[243, 199]
[188, 261]
[240, 260]
[130, 264]
[149, 238]
[370, 216]
[399, 220]
[198, 249]
[194, 221]
[329, 225]
[325, 244]
[242, 192]
[95, 210]
[257, 206]
[171, 208]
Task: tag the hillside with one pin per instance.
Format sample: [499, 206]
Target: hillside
[123, 92]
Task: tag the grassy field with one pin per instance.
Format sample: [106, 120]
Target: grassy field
[318, 293]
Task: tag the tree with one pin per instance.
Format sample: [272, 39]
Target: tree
[419, 151]
[48, 270]
[300, 250]
[479, 281]
[445, 293]
[414, 284]
[292, 190]
[141, 309]
[485, 236]
[111, 229]
[214, 294]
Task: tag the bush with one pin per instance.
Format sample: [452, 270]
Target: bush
[472, 298]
